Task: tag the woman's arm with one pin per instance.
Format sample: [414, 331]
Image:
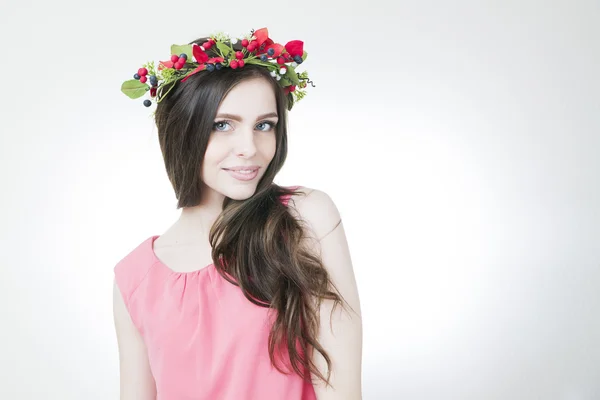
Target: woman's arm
[136, 382]
[340, 333]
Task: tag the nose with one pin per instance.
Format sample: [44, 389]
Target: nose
[244, 143]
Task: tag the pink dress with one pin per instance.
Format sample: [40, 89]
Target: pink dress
[205, 340]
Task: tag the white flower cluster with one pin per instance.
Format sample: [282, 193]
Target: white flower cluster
[221, 36]
[276, 75]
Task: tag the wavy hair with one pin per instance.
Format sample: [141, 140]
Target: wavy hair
[257, 244]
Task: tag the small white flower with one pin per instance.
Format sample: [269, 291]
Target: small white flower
[282, 71]
[234, 41]
[294, 64]
[273, 74]
[278, 77]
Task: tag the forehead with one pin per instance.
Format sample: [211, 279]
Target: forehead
[249, 98]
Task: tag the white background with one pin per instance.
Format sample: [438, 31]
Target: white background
[459, 141]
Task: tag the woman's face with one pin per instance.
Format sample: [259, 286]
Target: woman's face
[243, 136]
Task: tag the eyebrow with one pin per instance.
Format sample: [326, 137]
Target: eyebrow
[238, 118]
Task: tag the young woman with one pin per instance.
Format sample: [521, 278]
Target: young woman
[239, 298]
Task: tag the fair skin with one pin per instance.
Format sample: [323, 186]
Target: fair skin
[247, 137]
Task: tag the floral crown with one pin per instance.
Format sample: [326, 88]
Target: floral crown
[256, 48]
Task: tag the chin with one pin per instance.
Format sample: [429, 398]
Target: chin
[240, 192]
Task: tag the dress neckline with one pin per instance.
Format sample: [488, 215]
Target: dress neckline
[164, 266]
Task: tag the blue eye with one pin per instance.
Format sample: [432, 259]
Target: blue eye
[271, 125]
[219, 125]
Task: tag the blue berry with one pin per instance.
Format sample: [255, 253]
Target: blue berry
[210, 67]
[271, 51]
[298, 59]
[153, 80]
[147, 103]
[136, 76]
[263, 57]
[219, 66]
[183, 55]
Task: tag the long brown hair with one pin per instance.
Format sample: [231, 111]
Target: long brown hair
[256, 243]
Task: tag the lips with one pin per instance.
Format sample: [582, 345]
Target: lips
[242, 168]
[243, 176]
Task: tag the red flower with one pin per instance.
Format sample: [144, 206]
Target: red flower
[275, 46]
[264, 43]
[165, 64]
[198, 69]
[199, 54]
[295, 48]
[262, 35]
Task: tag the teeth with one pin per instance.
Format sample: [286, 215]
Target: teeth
[245, 171]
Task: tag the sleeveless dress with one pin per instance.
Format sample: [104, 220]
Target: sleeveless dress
[205, 340]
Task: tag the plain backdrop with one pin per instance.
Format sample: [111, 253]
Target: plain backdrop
[459, 141]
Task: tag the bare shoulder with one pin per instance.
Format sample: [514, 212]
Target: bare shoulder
[317, 209]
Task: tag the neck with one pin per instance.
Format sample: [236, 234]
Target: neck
[198, 220]
[199, 216]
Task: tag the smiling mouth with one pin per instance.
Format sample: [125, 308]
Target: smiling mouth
[242, 170]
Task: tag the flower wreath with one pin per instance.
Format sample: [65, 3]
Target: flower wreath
[256, 48]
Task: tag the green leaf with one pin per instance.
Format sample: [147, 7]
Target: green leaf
[284, 81]
[257, 61]
[224, 49]
[184, 48]
[134, 88]
[291, 75]
[304, 55]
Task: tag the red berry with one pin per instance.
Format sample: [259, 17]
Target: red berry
[212, 41]
[280, 60]
[241, 63]
[292, 88]
[244, 42]
[181, 60]
[174, 58]
[178, 65]
[233, 64]
[206, 45]
[143, 79]
[153, 91]
[142, 72]
[239, 55]
[252, 46]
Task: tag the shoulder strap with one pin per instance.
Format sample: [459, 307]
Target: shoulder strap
[130, 272]
[286, 198]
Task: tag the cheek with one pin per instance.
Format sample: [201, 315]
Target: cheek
[269, 146]
[212, 160]
[215, 152]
